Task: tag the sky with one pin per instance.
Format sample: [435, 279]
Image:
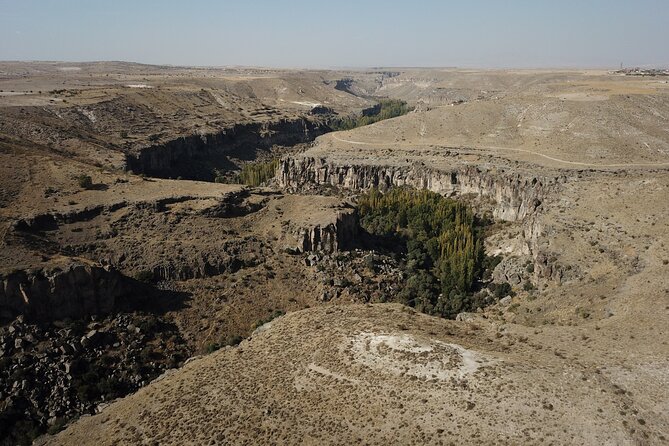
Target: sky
[342, 33]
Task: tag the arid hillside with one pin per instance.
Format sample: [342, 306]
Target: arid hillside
[129, 244]
[385, 374]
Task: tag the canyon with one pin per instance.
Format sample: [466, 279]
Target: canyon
[243, 313]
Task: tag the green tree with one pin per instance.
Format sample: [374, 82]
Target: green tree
[255, 174]
[385, 109]
[443, 240]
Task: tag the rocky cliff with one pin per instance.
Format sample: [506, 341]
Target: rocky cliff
[328, 237]
[511, 196]
[74, 291]
[175, 158]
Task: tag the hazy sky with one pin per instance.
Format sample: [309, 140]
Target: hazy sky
[314, 33]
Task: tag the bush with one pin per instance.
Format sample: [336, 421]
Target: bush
[233, 340]
[110, 388]
[150, 324]
[503, 290]
[229, 341]
[274, 315]
[219, 176]
[85, 181]
[370, 263]
[148, 355]
[211, 347]
[57, 426]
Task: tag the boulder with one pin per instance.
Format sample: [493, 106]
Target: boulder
[505, 301]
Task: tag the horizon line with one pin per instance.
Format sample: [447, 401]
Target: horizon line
[347, 67]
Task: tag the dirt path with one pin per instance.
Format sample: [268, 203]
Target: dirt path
[531, 152]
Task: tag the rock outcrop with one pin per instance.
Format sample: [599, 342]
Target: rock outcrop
[508, 195]
[208, 263]
[328, 238]
[511, 195]
[173, 158]
[54, 372]
[75, 291]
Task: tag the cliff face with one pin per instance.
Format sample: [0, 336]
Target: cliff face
[328, 238]
[513, 197]
[508, 195]
[175, 157]
[72, 292]
[209, 262]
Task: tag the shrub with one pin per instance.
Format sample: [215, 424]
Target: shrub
[274, 315]
[219, 177]
[528, 286]
[110, 387]
[233, 340]
[211, 347]
[150, 324]
[229, 341]
[85, 181]
[503, 290]
[57, 426]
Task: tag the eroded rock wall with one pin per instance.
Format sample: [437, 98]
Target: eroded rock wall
[171, 159]
[74, 291]
[331, 237]
[508, 195]
[512, 196]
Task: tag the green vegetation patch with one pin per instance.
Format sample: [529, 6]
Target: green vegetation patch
[386, 109]
[85, 181]
[443, 242]
[252, 174]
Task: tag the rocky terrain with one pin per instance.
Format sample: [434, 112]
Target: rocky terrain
[382, 374]
[54, 372]
[120, 252]
[199, 260]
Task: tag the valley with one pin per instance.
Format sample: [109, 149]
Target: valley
[239, 313]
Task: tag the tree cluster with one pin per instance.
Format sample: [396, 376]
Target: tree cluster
[255, 174]
[386, 109]
[443, 241]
